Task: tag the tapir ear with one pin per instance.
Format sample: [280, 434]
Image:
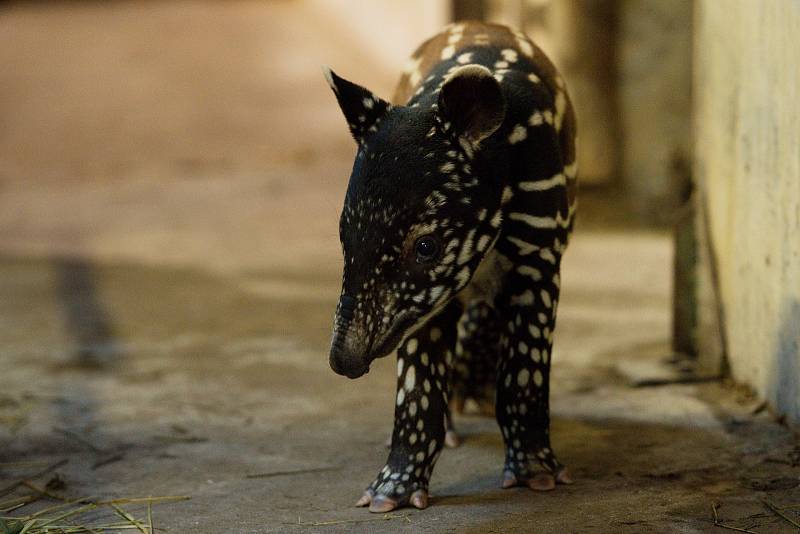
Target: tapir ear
[362, 109]
[472, 102]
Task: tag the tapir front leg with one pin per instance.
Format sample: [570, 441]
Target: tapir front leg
[423, 362]
[529, 306]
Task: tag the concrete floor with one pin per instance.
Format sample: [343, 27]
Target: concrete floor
[164, 328]
[192, 381]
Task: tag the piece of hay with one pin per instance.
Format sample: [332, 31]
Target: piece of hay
[271, 474]
[384, 517]
[718, 522]
[70, 517]
[785, 517]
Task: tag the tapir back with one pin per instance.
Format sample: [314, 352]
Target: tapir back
[534, 150]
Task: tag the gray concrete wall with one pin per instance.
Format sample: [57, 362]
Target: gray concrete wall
[747, 139]
[654, 75]
[628, 66]
[580, 38]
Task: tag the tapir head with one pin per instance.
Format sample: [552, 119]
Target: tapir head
[420, 213]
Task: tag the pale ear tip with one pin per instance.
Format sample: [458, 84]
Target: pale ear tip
[328, 73]
[473, 70]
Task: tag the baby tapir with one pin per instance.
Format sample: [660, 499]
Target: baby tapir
[456, 216]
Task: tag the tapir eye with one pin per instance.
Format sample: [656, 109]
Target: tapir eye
[427, 249]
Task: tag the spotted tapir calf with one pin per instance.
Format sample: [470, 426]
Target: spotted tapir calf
[456, 216]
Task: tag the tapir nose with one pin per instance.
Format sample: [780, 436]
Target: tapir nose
[345, 358]
[348, 365]
[347, 307]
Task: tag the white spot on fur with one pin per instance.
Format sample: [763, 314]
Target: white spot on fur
[523, 377]
[525, 46]
[482, 39]
[524, 299]
[547, 255]
[432, 447]
[412, 69]
[462, 277]
[532, 272]
[533, 221]
[525, 248]
[509, 55]
[571, 170]
[543, 185]
[538, 379]
[518, 134]
[561, 106]
[436, 292]
[411, 378]
[482, 242]
[465, 253]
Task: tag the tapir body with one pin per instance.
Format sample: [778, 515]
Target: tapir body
[456, 216]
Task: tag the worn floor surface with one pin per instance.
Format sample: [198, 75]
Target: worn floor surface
[217, 386]
[168, 276]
